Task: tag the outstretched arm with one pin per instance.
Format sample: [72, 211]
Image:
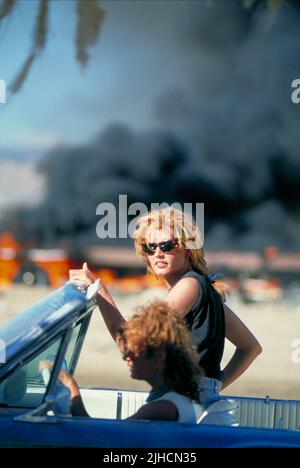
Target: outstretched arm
[247, 347]
[110, 313]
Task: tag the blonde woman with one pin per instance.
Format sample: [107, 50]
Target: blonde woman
[168, 241]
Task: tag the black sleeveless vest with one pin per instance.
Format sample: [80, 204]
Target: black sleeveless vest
[207, 323]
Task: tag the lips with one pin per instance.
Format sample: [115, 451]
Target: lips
[161, 264]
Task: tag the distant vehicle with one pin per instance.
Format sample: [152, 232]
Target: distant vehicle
[41, 267]
[34, 408]
[260, 290]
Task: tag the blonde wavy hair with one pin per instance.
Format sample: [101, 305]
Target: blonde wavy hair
[181, 225]
[184, 228]
[154, 327]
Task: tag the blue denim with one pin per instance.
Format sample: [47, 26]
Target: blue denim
[209, 391]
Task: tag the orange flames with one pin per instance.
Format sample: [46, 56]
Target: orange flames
[56, 264]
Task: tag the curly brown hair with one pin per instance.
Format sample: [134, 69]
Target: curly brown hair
[155, 326]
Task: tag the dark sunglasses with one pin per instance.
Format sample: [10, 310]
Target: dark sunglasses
[165, 246]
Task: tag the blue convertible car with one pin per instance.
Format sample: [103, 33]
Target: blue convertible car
[34, 406]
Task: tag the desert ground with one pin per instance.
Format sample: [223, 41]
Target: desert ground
[276, 372]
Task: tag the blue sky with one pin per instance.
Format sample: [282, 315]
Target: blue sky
[136, 58]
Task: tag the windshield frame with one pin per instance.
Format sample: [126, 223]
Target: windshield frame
[64, 337]
[64, 307]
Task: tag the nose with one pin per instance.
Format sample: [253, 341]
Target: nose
[129, 356]
[158, 252]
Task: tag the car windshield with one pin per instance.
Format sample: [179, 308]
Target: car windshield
[31, 325]
[26, 386]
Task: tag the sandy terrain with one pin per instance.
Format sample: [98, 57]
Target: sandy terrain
[273, 373]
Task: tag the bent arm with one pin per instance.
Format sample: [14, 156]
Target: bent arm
[247, 347]
[163, 410]
[183, 296]
[77, 406]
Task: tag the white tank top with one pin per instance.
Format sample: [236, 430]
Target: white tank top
[188, 411]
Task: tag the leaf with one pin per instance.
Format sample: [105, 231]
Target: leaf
[90, 17]
[39, 41]
[41, 29]
[6, 8]
[20, 78]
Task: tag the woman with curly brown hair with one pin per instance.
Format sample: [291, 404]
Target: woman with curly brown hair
[157, 348]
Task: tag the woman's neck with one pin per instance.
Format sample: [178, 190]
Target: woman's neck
[156, 380]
